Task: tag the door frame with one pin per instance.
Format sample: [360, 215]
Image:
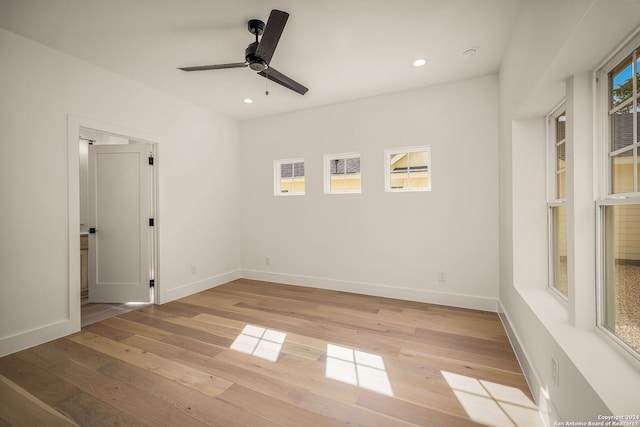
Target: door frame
[74, 125]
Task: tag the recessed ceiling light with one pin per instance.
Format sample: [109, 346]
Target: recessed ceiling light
[248, 101]
[419, 62]
[471, 52]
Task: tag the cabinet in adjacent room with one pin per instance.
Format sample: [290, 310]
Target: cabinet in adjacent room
[84, 265]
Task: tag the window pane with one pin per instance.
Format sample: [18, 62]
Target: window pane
[561, 185]
[286, 170]
[419, 180]
[286, 186]
[621, 82]
[637, 170]
[398, 180]
[337, 166]
[622, 128]
[637, 118]
[561, 126]
[637, 70]
[561, 157]
[298, 185]
[559, 248]
[622, 273]
[352, 181]
[353, 165]
[418, 160]
[622, 172]
[298, 169]
[338, 183]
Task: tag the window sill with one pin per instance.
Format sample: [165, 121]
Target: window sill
[614, 377]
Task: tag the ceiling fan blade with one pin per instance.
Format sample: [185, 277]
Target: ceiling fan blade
[271, 35]
[214, 67]
[276, 76]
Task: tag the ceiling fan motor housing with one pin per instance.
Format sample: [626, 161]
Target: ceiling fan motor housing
[255, 63]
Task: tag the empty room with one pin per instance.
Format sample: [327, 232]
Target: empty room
[297, 213]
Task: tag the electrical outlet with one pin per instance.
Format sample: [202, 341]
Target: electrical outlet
[267, 260]
[442, 277]
[555, 371]
[194, 269]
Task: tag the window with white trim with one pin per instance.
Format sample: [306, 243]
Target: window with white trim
[619, 202]
[289, 177]
[342, 173]
[558, 279]
[408, 169]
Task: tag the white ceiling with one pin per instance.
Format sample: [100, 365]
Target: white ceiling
[340, 49]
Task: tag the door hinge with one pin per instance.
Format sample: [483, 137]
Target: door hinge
[151, 222]
[151, 160]
[152, 283]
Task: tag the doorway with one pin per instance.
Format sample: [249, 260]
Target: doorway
[116, 206]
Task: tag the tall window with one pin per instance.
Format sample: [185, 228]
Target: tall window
[557, 122]
[342, 173]
[288, 177]
[619, 299]
[408, 169]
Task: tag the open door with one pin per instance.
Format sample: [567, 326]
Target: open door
[120, 216]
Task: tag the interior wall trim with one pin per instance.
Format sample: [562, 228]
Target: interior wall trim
[36, 336]
[375, 289]
[542, 399]
[198, 286]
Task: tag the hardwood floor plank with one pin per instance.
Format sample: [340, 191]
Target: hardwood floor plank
[88, 410]
[176, 328]
[20, 408]
[178, 354]
[199, 380]
[294, 371]
[489, 328]
[144, 408]
[36, 380]
[126, 325]
[251, 353]
[491, 348]
[215, 412]
[410, 412]
[428, 364]
[108, 332]
[282, 413]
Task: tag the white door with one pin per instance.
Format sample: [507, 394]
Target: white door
[119, 211]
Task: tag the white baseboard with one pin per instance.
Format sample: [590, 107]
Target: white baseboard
[37, 336]
[545, 406]
[198, 286]
[409, 294]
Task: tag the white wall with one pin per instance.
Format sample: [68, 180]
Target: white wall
[389, 244]
[198, 217]
[555, 47]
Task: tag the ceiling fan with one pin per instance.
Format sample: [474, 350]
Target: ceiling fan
[259, 53]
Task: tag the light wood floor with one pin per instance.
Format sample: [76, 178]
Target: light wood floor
[95, 312]
[221, 358]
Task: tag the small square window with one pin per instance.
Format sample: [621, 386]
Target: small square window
[342, 173]
[408, 169]
[289, 177]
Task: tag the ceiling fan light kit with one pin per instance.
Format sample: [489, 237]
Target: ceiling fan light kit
[259, 53]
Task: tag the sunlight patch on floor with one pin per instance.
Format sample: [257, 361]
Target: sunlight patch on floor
[358, 368]
[493, 404]
[260, 342]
